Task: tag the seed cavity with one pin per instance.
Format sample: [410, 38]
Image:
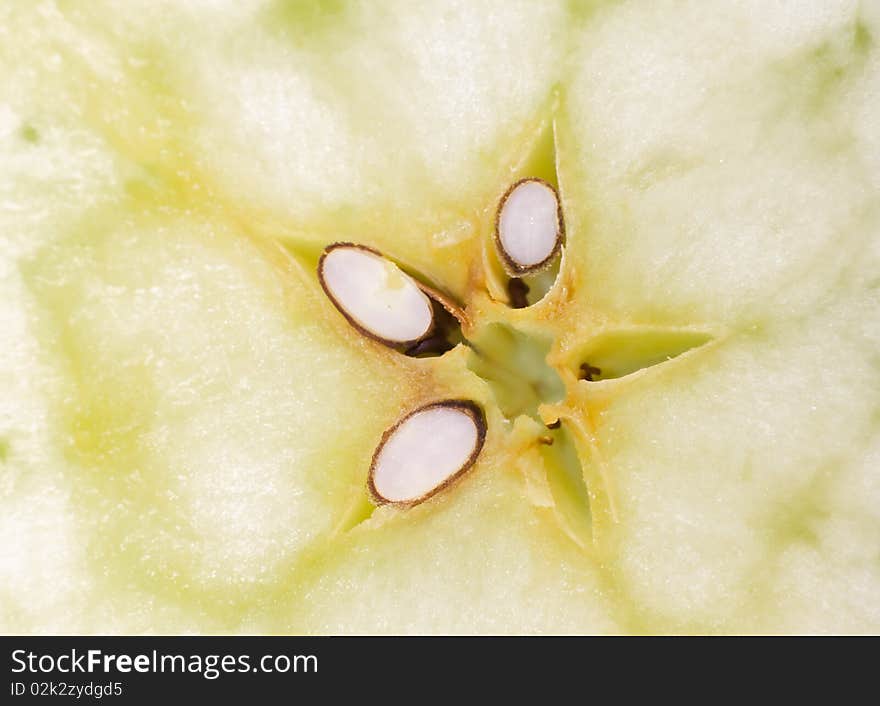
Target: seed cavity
[528, 226]
[514, 364]
[517, 293]
[425, 451]
[568, 486]
[375, 295]
[616, 354]
[589, 372]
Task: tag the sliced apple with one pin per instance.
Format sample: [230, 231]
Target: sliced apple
[680, 416]
[202, 447]
[440, 570]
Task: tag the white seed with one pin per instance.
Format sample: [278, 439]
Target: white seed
[425, 451]
[528, 227]
[375, 295]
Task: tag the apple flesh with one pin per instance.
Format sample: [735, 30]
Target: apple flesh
[187, 421]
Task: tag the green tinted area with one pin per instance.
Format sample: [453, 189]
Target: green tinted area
[565, 476]
[514, 364]
[619, 353]
[305, 21]
[29, 134]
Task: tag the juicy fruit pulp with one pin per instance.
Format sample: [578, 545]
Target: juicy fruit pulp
[187, 423]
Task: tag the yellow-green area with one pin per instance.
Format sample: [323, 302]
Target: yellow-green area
[186, 422]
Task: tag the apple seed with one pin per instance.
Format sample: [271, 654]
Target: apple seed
[528, 226]
[425, 451]
[375, 295]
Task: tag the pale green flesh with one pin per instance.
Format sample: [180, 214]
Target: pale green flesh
[186, 422]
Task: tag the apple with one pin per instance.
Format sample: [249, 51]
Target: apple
[440, 317]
